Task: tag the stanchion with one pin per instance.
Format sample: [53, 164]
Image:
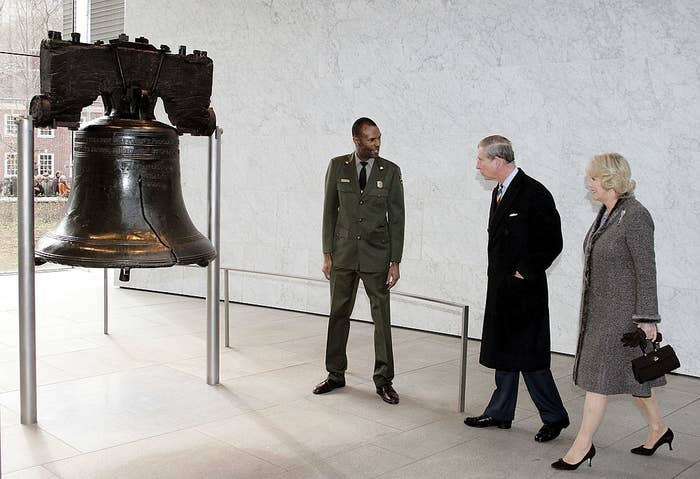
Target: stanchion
[105, 303]
[227, 339]
[27, 306]
[463, 359]
[213, 270]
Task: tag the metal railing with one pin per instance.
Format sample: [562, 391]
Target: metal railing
[463, 307]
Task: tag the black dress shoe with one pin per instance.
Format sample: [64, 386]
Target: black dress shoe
[388, 394]
[487, 421]
[551, 430]
[327, 386]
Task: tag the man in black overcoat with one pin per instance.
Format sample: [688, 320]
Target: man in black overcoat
[524, 239]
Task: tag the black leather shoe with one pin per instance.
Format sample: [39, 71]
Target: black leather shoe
[388, 394]
[551, 430]
[487, 421]
[327, 386]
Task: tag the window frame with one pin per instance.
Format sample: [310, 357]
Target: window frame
[46, 132]
[9, 123]
[6, 169]
[39, 164]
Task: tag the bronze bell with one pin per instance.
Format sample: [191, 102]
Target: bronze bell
[125, 209]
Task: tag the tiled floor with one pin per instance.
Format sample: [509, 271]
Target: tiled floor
[135, 404]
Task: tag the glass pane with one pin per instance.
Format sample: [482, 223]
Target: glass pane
[23, 24]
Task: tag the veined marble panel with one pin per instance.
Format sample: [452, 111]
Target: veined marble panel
[563, 79]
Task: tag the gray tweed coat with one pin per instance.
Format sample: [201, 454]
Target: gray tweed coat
[619, 289]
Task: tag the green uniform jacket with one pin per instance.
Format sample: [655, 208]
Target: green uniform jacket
[363, 232]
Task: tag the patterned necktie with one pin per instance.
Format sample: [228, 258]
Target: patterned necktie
[363, 175]
[499, 194]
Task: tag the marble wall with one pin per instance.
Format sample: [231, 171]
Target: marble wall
[563, 79]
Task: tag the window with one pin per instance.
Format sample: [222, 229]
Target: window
[45, 164]
[46, 132]
[10, 164]
[106, 19]
[11, 124]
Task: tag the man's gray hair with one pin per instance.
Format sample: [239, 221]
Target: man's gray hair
[498, 146]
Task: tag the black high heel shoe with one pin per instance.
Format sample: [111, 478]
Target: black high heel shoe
[666, 438]
[562, 465]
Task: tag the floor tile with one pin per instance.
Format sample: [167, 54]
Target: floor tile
[366, 462]
[179, 455]
[363, 401]
[685, 419]
[28, 446]
[296, 433]
[46, 374]
[243, 361]
[692, 472]
[31, 473]
[104, 411]
[429, 439]
[8, 417]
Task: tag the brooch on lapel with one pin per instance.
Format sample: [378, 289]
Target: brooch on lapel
[619, 220]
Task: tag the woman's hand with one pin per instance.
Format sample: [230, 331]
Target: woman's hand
[649, 330]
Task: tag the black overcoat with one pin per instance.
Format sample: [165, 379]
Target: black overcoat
[524, 236]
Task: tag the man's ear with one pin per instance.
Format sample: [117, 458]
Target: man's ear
[356, 140]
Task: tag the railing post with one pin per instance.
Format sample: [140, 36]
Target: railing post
[226, 310]
[105, 303]
[463, 359]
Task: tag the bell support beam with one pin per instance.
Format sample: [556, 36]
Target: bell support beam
[214, 268]
[27, 304]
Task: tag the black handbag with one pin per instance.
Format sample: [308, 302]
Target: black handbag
[654, 364]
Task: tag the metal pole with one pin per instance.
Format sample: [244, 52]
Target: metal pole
[105, 305]
[463, 360]
[213, 270]
[226, 311]
[27, 310]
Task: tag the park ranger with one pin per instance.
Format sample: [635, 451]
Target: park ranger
[363, 228]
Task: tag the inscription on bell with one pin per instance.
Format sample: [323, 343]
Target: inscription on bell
[141, 148]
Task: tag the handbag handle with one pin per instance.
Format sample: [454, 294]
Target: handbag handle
[654, 343]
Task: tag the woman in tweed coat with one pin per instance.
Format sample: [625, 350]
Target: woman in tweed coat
[619, 295]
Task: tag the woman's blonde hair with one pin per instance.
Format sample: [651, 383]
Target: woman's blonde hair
[614, 173]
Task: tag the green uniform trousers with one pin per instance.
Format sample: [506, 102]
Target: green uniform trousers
[344, 283]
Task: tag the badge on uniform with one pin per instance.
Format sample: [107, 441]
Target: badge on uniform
[380, 184]
[345, 180]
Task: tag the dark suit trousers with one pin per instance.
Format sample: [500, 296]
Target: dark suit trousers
[543, 391]
[344, 283]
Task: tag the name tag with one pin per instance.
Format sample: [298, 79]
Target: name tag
[345, 180]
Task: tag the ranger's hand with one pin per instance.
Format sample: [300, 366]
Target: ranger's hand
[393, 276]
[327, 265]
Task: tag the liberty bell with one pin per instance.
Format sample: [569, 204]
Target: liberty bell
[125, 209]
